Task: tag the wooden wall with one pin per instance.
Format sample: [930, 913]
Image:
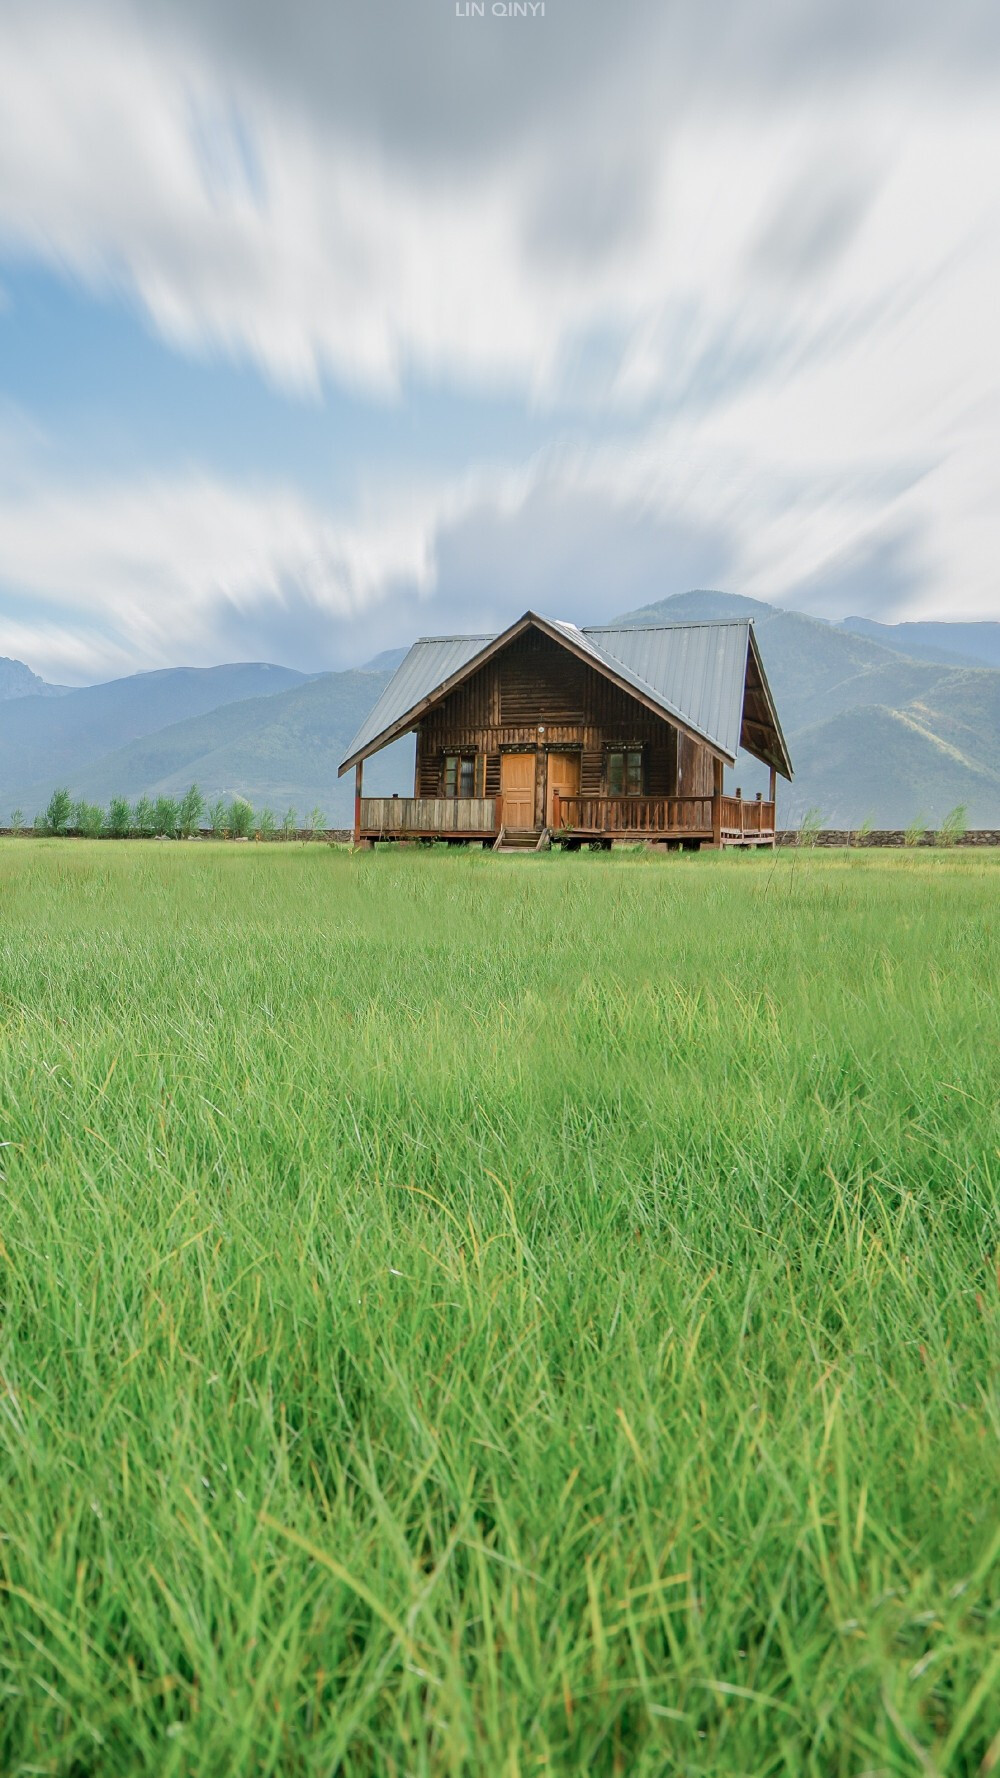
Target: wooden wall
[536, 681]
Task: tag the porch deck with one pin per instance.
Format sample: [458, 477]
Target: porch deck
[688, 820]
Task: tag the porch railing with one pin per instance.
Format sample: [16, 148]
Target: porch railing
[667, 816]
[426, 817]
[746, 820]
[634, 814]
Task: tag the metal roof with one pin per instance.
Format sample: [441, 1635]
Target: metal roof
[698, 671]
[694, 672]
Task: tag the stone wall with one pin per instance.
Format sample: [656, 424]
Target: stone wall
[892, 836]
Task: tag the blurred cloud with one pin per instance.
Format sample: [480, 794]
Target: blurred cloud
[745, 259]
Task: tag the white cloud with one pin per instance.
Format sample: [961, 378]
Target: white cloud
[158, 571]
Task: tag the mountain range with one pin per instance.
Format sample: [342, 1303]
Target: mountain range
[884, 722]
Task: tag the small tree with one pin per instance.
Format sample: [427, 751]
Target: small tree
[58, 812]
[17, 821]
[861, 833]
[165, 817]
[119, 822]
[218, 817]
[317, 823]
[266, 825]
[915, 832]
[144, 819]
[953, 827]
[289, 823]
[240, 818]
[191, 811]
[88, 819]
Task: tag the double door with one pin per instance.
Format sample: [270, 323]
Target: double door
[517, 785]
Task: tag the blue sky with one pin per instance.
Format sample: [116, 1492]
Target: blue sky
[328, 325]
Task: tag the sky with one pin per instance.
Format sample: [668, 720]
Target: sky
[327, 325]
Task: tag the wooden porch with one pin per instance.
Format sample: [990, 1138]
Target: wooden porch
[577, 820]
[688, 820]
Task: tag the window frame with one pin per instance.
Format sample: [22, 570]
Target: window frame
[625, 751]
[463, 774]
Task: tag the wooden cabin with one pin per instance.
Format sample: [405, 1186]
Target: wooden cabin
[552, 733]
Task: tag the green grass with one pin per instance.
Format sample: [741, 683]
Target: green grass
[509, 1316]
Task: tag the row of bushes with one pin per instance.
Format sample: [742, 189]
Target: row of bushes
[166, 817]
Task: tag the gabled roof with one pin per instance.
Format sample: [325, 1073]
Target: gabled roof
[695, 675]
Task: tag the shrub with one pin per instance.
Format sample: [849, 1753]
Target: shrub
[17, 820]
[915, 832]
[266, 825]
[144, 819]
[953, 826]
[191, 811]
[58, 812]
[317, 823]
[240, 818]
[289, 823]
[165, 817]
[861, 833]
[88, 819]
[218, 817]
[810, 827]
[119, 821]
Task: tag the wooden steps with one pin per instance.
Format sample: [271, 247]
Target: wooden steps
[518, 839]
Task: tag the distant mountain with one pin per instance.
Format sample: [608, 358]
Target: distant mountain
[872, 732]
[50, 741]
[387, 661]
[280, 751]
[18, 681]
[960, 645]
[899, 769]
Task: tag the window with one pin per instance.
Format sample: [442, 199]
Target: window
[464, 774]
[624, 771]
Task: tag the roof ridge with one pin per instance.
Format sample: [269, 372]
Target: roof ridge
[461, 636]
[687, 623]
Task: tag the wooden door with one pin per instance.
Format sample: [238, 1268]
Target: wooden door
[517, 785]
[563, 780]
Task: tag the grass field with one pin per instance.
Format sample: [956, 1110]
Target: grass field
[510, 1316]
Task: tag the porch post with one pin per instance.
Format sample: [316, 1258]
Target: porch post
[359, 774]
[717, 804]
[772, 785]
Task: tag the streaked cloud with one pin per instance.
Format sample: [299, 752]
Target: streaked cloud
[745, 261]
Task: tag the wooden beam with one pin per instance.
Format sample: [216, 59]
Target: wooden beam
[772, 785]
[717, 804]
[358, 783]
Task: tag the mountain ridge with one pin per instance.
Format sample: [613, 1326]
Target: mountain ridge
[975, 644]
[18, 681]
